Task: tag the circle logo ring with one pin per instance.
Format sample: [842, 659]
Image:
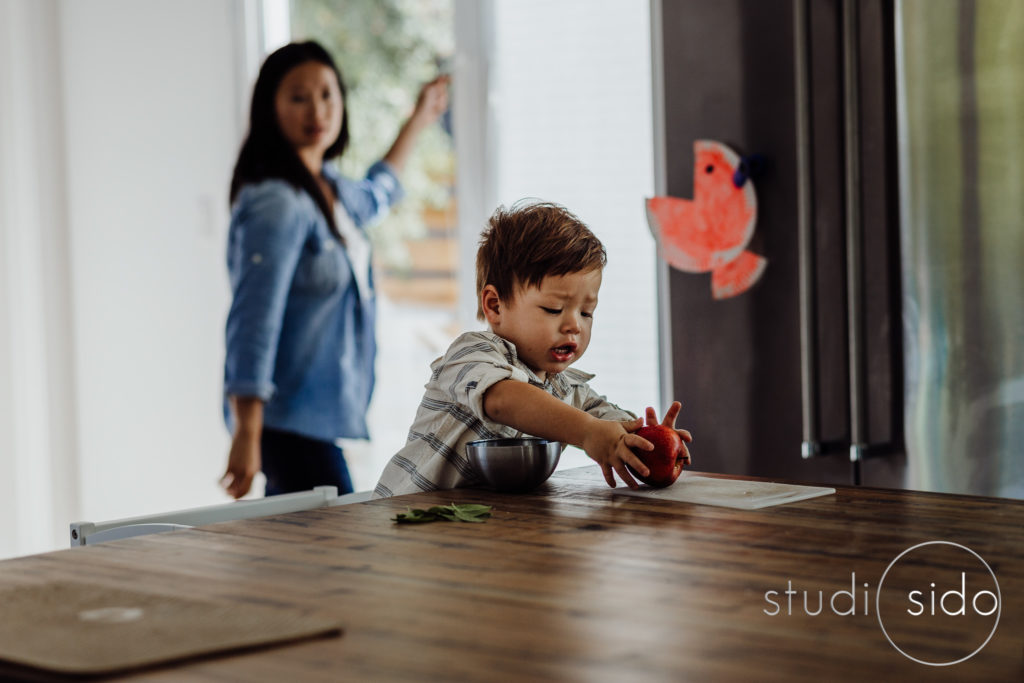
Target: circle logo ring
[878, 597]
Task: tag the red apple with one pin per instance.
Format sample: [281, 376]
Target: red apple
[666, 460]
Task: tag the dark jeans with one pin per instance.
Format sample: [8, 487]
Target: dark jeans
[295, 463]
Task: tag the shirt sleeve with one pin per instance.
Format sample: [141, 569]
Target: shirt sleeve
[468, 370]
[266, 241]
[597, 405]
[368, 200]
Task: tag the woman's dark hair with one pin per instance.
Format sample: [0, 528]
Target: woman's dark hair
[265, 152]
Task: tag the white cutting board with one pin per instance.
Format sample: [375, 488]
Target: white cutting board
[701, 490]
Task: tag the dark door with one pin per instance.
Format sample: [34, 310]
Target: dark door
[729, 75]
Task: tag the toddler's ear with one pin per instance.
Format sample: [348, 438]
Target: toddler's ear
[490, 304]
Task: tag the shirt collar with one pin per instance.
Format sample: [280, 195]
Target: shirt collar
[562, 382]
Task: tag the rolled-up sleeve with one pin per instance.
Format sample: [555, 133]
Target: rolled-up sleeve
[266, 240]
[598, 406]
[589, 401]
[469, 370]
[368, 200]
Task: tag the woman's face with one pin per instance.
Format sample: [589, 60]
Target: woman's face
[309, 107]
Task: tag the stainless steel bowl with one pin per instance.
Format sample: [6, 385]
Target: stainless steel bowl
[514, 465]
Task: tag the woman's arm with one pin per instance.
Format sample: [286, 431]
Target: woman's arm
[431, 103]
[244, 456]
[264, 252]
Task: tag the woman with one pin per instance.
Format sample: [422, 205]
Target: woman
[298, 372]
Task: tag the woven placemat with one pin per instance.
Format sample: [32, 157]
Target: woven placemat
[83, 629]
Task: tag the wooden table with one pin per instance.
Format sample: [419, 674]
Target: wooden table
[573, 583]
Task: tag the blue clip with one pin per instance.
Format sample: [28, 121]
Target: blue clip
[749, 167]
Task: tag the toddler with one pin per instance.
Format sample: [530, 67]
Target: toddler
[538, 273]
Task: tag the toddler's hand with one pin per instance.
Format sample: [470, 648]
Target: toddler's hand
[608, 444]
[670, 421]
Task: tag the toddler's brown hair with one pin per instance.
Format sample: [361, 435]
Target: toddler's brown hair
[523, 244]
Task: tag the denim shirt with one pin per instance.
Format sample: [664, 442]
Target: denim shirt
[299, 336]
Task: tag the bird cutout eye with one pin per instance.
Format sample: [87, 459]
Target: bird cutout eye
[709, 168]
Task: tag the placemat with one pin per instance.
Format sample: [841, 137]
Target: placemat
[84, 629]
[694, 488]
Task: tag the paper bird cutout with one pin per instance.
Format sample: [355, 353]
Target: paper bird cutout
[711, 231]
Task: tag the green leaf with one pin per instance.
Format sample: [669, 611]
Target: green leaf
[474, 509]
[467, 517]
[413, 516]
[469, 512]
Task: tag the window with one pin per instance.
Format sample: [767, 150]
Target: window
[385, 49]
[567, 112]
[550, 100]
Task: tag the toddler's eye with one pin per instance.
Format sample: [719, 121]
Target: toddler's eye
[552, 311]
[587, 314]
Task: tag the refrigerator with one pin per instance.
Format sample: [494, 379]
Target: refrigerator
[883, 345]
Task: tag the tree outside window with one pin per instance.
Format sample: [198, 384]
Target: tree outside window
[386, 49]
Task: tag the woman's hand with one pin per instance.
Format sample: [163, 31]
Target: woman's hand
[430, 104]
[432, 101]
[243, 464]
[244, 457]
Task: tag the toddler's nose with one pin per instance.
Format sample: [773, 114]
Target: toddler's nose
[571, 323]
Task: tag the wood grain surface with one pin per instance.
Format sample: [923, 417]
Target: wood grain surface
[576, 583]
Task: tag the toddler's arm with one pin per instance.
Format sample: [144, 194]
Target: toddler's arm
[534, 411]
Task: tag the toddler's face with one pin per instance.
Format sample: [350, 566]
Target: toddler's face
[550, 324]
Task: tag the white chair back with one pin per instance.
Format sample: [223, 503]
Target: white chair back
[91, 533]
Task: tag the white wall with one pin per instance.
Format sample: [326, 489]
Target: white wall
[152, 130]
[120, 122]
[38, 458]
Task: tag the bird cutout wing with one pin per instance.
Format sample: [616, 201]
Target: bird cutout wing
[711, 231]
[737, 276]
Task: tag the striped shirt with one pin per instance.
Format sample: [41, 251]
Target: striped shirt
[451, 413]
